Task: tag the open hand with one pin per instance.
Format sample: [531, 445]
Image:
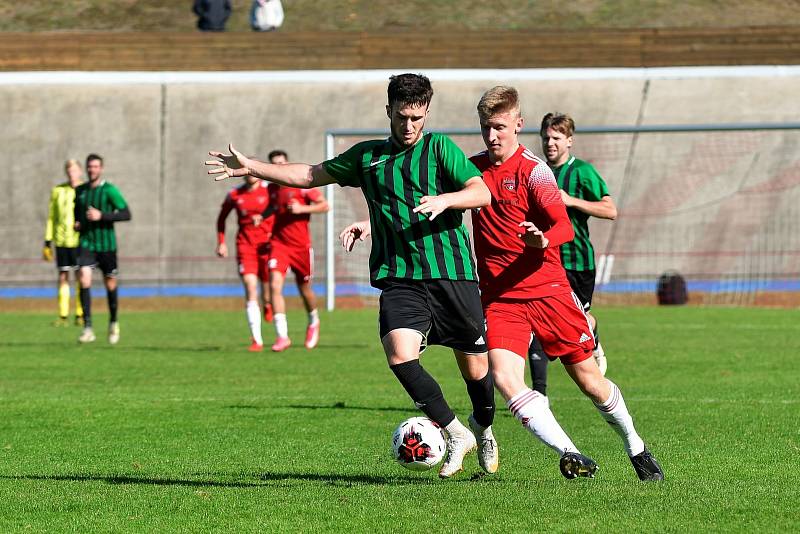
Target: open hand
[358, 231]
[227, 165]
[432, 206]
[532, 236]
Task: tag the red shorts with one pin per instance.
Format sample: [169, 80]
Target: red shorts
[558, 322]
[253, 260]
[299, 259]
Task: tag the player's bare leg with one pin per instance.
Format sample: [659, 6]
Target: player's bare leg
[310, 302]
[282, 341]
[85, 278]
[402, 353]
[253, 311]
[113, 324]
[532, 409]
[607, 397]
[475, 371]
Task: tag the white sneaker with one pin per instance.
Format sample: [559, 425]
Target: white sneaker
[113, 333]
[459, 444]
[600, 357]
[87, 335]
[488, 454]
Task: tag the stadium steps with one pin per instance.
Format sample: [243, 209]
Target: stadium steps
[354, 50]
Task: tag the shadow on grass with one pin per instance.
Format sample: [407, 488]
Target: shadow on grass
[343, 406]
[260, 480]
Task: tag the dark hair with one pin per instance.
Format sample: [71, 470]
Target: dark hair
[560, 122]
[276, 153]
[94, 157]
[410, 90]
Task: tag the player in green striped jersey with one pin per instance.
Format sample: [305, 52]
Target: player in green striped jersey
[586, 195]
[98, 205]
[416, 185]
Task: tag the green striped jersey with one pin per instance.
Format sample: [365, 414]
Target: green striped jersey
[98, 236]
[405, 244]
[580, 180]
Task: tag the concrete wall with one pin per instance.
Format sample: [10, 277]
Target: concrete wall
[155, 132]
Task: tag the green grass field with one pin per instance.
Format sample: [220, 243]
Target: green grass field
[180, 429]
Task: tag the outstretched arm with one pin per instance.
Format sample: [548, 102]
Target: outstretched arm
[290, 174]
[475, 194]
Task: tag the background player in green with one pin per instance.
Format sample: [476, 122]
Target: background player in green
[60, 231]
[98, 205]
[586, 195]
[416, 186]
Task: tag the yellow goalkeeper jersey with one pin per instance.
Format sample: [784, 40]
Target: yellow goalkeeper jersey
[61, 219]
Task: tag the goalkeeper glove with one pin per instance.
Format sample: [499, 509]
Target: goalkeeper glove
[47, 252]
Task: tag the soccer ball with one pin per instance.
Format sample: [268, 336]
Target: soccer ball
[418, 444]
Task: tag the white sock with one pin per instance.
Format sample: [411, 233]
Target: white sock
[598, 351]
[313, 317]
[281, 327]
[616, 414]
[533, 411]
[254, 320]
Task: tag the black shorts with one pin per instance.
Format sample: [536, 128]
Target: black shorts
[66, 258]
[445, 312]
[107, 261]
[582, 283]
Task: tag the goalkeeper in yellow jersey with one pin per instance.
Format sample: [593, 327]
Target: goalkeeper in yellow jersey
[60, 232]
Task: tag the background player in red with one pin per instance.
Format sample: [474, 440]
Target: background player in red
[525, 290]
[291, 248]
[251, 202]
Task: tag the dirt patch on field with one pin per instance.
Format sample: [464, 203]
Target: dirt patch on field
[149, 304]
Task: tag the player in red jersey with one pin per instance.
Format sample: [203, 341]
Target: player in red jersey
[252, 203]
[525, 290]
[291, 248]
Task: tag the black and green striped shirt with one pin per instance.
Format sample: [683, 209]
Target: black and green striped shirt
[580, 180]
[405, 244]
[97, 236]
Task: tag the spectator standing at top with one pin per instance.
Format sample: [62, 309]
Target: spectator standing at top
[266, 15]
[212, 14]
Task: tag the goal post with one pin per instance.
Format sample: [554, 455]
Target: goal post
[719, 203]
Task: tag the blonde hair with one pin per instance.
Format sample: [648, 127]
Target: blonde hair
[498, 99]
[71, 163]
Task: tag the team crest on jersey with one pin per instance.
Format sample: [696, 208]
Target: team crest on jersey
[509, 183]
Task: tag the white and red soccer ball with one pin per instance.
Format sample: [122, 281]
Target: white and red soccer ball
[418, 444]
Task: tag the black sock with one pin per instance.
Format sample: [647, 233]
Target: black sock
[538, 361]
[112, 305]
[481, 392]
[86, 304]
[596, 336]
[424, 391]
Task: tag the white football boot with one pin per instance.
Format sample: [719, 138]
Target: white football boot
[113, 333]
[488, 453]
[460, 442]
[87, 335]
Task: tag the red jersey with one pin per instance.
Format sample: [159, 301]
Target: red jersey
[247, 202]
[523, 189]
[292, 229]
